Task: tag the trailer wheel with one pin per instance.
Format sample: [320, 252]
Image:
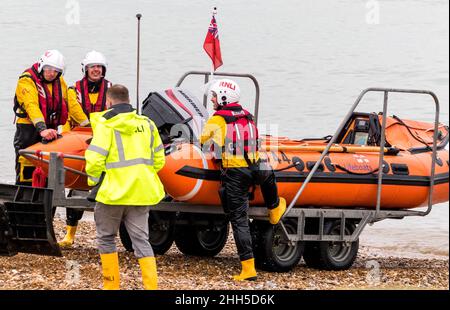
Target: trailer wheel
[161, 227]
[271, 251]
[330, 255]
[202, 240]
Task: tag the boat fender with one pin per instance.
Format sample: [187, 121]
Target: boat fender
[386, 168]
[400, 169]
[310, 165]
[298, 163]
[330, 166]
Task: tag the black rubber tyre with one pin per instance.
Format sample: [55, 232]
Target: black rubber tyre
[202, 240]
[271, 251]
[329, 255]
[161, 232]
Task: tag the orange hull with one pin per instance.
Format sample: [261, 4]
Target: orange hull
[346, 179]
[199, 176]
[74, 142]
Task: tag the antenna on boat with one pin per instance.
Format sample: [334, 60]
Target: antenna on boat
[138, 16]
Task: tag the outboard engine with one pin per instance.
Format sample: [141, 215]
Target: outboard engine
[177, 113]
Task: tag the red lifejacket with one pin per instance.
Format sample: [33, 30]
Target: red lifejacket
[242, 134]
[82, 90]
[52, 105]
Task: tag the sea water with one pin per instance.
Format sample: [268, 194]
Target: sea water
[311, 59]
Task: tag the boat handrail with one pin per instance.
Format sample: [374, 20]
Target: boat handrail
[206, 74]
[37, 155]
[386, 91]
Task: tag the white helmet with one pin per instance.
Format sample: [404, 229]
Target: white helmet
[227, 91]
[52, 58]
[94, 58]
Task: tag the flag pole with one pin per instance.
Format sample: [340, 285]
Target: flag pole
[214, 12]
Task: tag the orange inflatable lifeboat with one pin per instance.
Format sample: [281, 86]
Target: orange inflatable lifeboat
[73, 143]
[346, 178]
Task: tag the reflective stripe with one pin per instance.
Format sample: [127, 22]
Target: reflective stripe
[130, 162]
[119, 145]
[151, 139]
[251, 130]
[84, 123]
[238, 134]
[151, 135]
[159, 148]
[96, 180]
[98, 149]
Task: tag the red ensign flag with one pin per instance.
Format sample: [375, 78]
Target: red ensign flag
[212, 44]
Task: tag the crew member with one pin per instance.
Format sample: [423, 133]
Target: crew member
[40, 105]
[232, 130]
[90, 94]
[122, 161]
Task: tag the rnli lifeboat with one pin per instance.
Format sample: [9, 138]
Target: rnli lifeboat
[346, 178]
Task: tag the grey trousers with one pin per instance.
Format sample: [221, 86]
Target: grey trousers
[107, 221]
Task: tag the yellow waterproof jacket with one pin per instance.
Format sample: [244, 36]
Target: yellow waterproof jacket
[28, 98]
[127, 148]
[214, 132]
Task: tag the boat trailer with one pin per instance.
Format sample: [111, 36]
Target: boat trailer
[26, 213]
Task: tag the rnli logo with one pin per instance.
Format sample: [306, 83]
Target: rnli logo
[362, 164]
[227, 85]
[139, 128]
[361, 159]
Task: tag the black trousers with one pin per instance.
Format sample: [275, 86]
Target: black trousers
[25, 136]
[236, 183]
[73, 216]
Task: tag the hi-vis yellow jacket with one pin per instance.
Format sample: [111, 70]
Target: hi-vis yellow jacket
[28, 98]
[127, 148]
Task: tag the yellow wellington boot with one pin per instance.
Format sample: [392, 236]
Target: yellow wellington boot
[149, 272]
[276, 213]
[248, 271]
[110, 271]
[69, 238]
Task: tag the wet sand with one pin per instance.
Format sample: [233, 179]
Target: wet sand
[80, 269]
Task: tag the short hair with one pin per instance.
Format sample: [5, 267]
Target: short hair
[118, 94]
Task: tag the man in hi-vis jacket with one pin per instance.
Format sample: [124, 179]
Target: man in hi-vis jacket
[122, 161]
